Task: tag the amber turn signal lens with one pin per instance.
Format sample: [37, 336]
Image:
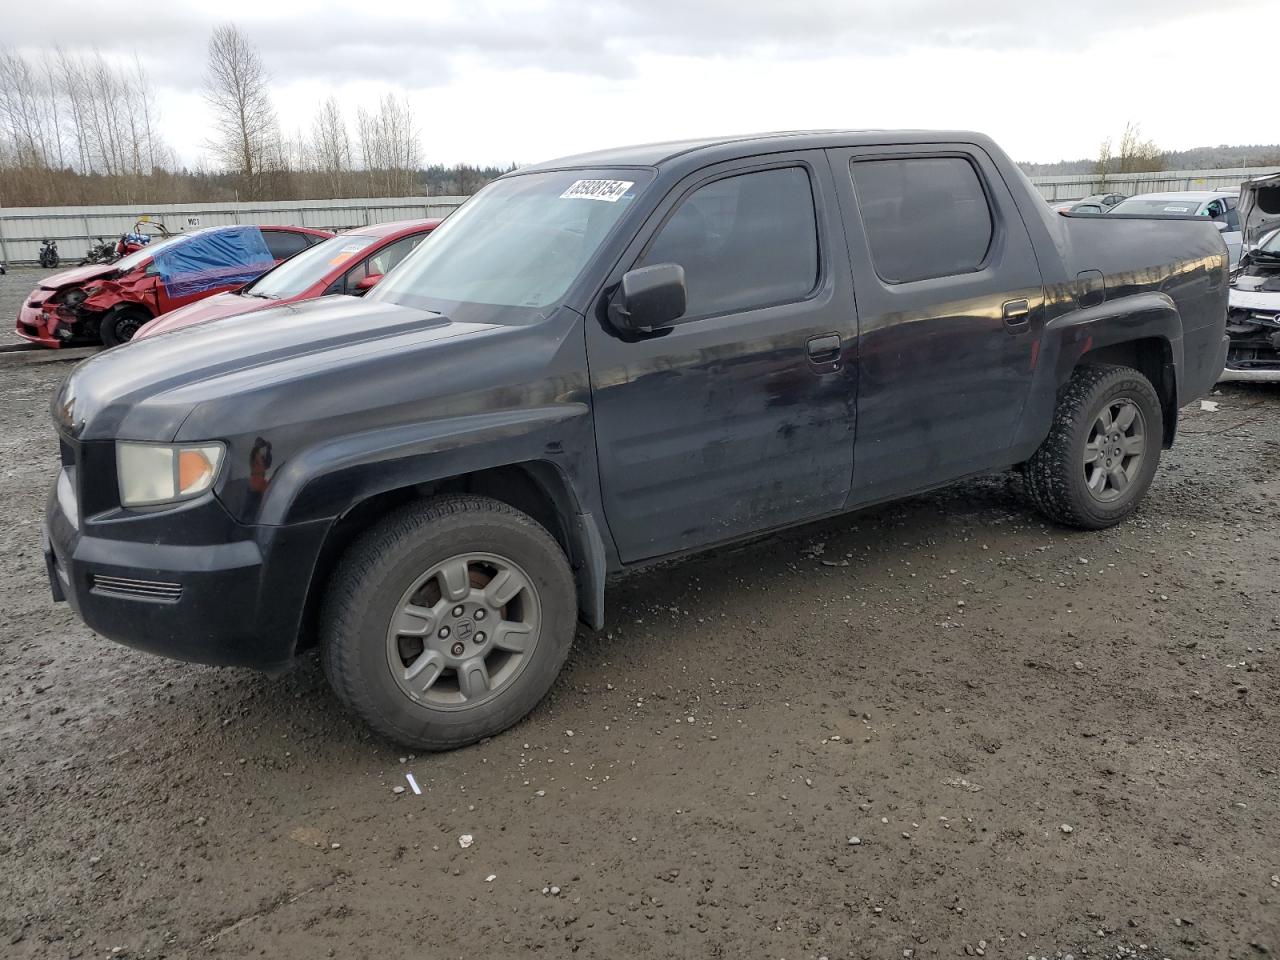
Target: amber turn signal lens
[150, 474]
[194, 470]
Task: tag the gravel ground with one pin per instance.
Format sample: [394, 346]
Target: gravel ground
[1044, 742]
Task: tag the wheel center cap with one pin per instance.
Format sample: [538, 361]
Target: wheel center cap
[464, 629]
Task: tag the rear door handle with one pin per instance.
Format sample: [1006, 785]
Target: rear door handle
[824, 349]
[1017, 314]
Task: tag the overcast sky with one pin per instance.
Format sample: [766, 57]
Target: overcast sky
[500, 82]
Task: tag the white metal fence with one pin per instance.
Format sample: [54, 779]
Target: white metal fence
[22, 228]
[1076, 185]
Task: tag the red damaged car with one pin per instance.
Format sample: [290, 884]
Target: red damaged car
[110, 302]
[351, 263]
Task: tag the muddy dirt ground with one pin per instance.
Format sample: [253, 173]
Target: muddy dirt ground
[1045, 742]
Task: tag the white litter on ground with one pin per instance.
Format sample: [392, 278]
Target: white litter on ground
[413, 784]
[465, 840]
[1209, 406]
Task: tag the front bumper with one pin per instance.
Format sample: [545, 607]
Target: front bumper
[1251, 375]
[37, 325]
[234, 603]
[1255, 346]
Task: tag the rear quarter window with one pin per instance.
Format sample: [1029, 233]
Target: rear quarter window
[924, 217]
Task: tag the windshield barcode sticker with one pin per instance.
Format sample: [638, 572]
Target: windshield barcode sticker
[610, 191]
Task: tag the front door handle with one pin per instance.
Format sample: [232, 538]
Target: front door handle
[824, 349]
[1017, 314]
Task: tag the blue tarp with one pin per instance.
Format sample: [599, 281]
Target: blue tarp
[213, 259]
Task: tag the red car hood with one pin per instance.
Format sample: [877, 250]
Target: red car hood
[66, 278]
[202, 311]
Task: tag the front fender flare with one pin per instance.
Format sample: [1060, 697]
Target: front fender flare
[330, 478]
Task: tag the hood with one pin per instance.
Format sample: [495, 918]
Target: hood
[94, 271]
[211, 308]
[1259, 207]
[145, 390]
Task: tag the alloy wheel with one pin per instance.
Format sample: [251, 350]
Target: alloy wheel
[1114, 450]
[463, 631]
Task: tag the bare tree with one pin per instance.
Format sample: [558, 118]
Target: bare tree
[331, 148]
[24, 103]
[390, 147]
[236, 87]
[1135, 155]
[145, 98]
[72, 90]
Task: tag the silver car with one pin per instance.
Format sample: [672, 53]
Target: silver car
[1218, 205]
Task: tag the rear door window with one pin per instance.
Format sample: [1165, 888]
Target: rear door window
[284, 245]
[390, 256]
[924, 217]
[745, 242]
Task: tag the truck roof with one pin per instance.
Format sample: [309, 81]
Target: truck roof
[728, 147]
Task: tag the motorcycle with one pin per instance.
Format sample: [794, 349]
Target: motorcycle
[143, 232]
[102, 251]
[49, 254]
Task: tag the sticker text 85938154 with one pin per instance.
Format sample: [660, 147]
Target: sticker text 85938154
[610, 191]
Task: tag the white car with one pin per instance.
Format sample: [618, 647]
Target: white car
[1253, 314]
[1219, 205]
[1253, 309]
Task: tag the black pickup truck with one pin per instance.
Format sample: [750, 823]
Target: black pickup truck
[604, 361]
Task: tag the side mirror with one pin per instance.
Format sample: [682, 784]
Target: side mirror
[1222, 226]
[366, 284]
[650, 297]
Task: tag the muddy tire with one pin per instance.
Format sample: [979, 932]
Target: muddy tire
[1102, 449]
[448, 621]
[119, 326]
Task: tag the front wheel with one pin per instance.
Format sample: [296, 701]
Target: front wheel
[119, 326]
[1102, 449]
[448, 621]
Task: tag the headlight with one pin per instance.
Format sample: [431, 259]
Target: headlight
[152, 473]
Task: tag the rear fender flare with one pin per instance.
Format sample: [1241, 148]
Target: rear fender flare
[1068, 337]
[1142, 316]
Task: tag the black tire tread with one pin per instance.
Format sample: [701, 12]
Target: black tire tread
[106, 330]
[1050, 472]
[362, 563]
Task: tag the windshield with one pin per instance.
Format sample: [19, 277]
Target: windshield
[303, 269]
[125, 264]
[1156, 207]
[520, 242]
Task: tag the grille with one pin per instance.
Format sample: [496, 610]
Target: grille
[136, 589]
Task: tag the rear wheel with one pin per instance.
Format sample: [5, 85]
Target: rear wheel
[119, 326]
[448, 621]
[1102, 450]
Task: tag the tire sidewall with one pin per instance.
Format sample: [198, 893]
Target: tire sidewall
[109, 325]
[403, 561]
[1134, 387]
